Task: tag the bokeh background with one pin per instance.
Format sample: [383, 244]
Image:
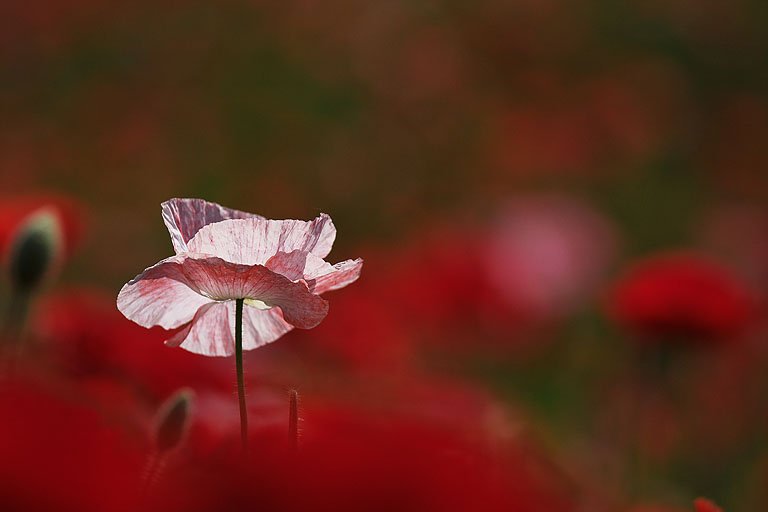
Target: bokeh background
[561, 205]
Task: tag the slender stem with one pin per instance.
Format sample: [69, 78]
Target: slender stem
[239, 369]
[293, 419]
[152, 470]
[12, 330]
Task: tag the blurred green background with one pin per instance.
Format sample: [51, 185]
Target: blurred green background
[382, 114]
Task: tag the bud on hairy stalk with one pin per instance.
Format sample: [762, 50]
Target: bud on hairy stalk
[34, 254]
[173, 421]
[171, 426]
[35, 250]
[293, 419]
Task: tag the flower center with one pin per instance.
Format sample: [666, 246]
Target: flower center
[256, 303]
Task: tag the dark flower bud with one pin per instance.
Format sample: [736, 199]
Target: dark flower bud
[35, 250]
[173, 421]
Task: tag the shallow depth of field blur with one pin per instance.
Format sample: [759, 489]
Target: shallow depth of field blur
[563, 212]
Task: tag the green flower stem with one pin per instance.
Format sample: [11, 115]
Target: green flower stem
[12, 327]
[239, 369]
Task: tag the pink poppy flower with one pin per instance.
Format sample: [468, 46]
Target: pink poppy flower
[223, 255]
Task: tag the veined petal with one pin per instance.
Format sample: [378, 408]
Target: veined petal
[211, 332]
[319, 275]
[196, 279]
[297, 265]
[160, 296]
[253, 241]
[262, 326]
[222, 280]
[185, 217]
[181, 334]
[340, 275]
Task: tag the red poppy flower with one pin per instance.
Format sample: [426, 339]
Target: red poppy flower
[704, 505]
[681, 295]
[60, 455]
[86, 338]
[352, 460]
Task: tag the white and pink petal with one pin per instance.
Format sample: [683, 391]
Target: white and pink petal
[297, 265]
[255, 241]
[319, 275]
[210, 333]
[262, 326]
[160, 296]
[222, 280]
[185, 217]
[340, 275]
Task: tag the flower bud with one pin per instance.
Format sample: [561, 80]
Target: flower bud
[173, 421]
[35, 250]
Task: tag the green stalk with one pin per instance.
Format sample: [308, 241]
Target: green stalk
[239, 370]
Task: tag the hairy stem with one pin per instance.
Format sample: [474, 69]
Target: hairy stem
[239, 369]
[293, 419]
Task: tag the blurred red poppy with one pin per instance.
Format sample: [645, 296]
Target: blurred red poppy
[87, 338]
[704, 505]
[683, 296]
[60, 455]
[352, 460]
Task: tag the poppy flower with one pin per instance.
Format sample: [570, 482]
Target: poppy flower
[224, 255]
[350, 458]
[682, 295]
[73, 324]
[704, 505]
[90, 464]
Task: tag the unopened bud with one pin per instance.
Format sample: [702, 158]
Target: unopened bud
[173, 421]
[35, 250]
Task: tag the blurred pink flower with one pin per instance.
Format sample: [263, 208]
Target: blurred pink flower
[222, 255]
[546, 254]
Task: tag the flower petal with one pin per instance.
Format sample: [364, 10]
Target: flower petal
[319, 275]
[297, 265]
[170, 292]
[185, 217]
[222, 280]
[160, 296]
[262, 326]
[253, 241]
[340, 275]
[211, 332]
[180, 335]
